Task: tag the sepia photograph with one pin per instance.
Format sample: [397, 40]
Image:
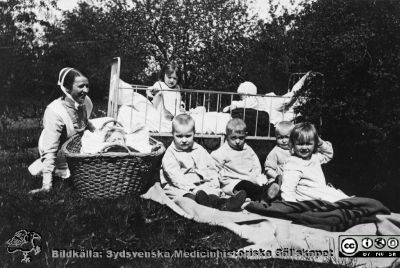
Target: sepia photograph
[200, 133]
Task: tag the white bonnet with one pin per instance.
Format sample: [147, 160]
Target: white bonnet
[247, 88]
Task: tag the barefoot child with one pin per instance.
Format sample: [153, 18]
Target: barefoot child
[188, 170]
[280, 153]
[302, 177]
[239, 166]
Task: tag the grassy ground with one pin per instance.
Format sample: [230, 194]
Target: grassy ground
[67, 221]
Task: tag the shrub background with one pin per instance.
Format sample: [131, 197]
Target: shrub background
[356, 44]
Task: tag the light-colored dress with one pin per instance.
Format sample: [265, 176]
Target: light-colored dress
[168, 98]
[276, 158]
[189, 171]
[304, 179]
[235, 166]
[62, 119]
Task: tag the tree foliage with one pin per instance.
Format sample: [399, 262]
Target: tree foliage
[355, 44]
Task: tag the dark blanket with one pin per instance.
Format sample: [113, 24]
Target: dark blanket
[250, 117]
[335, 217]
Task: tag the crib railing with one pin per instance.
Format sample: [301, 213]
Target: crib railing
[210, 101]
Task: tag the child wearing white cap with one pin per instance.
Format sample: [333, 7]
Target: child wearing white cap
[279, 108]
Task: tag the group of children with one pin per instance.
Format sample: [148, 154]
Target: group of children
[292, 169]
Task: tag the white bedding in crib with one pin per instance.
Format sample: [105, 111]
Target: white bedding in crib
[141, 112]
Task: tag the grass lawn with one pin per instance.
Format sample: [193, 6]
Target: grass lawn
[67, 221]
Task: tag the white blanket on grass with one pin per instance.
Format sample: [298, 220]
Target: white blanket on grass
[267, 233]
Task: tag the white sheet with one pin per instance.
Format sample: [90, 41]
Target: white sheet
[134, 116]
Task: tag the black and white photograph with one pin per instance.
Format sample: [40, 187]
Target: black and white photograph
[200, 133]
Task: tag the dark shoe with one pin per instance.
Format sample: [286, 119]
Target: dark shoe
[235, 202]
[190, 195]
[202, 198]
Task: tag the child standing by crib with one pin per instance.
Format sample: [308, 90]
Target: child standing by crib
[166, 91]
[188, 170]
[239, 166]
[303, 178]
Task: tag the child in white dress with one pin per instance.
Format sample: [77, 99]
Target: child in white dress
[303, 178]
[166, 92]
[279, 155]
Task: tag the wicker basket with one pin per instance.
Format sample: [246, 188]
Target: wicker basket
[111, 174]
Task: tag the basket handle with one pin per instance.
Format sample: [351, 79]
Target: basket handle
[111, 121]
[103, 150]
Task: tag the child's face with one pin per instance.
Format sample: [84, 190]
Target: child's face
[171, 79]
[282, 139]
[80, 88]
[236, 140]
[183, 137]
[304, 149]
[116, 137]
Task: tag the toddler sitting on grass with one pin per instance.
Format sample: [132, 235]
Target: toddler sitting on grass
[188, 170]
[303, 178]
[239, 166]
[279, 155]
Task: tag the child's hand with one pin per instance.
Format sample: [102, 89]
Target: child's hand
[182, 107]
[151, 92]
[229, 108]
[283, 108]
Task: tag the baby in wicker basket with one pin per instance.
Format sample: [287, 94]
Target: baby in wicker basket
[116, 139]
[188, 170]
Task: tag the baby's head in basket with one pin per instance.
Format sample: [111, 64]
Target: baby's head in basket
[183, 129]
[115, 135]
